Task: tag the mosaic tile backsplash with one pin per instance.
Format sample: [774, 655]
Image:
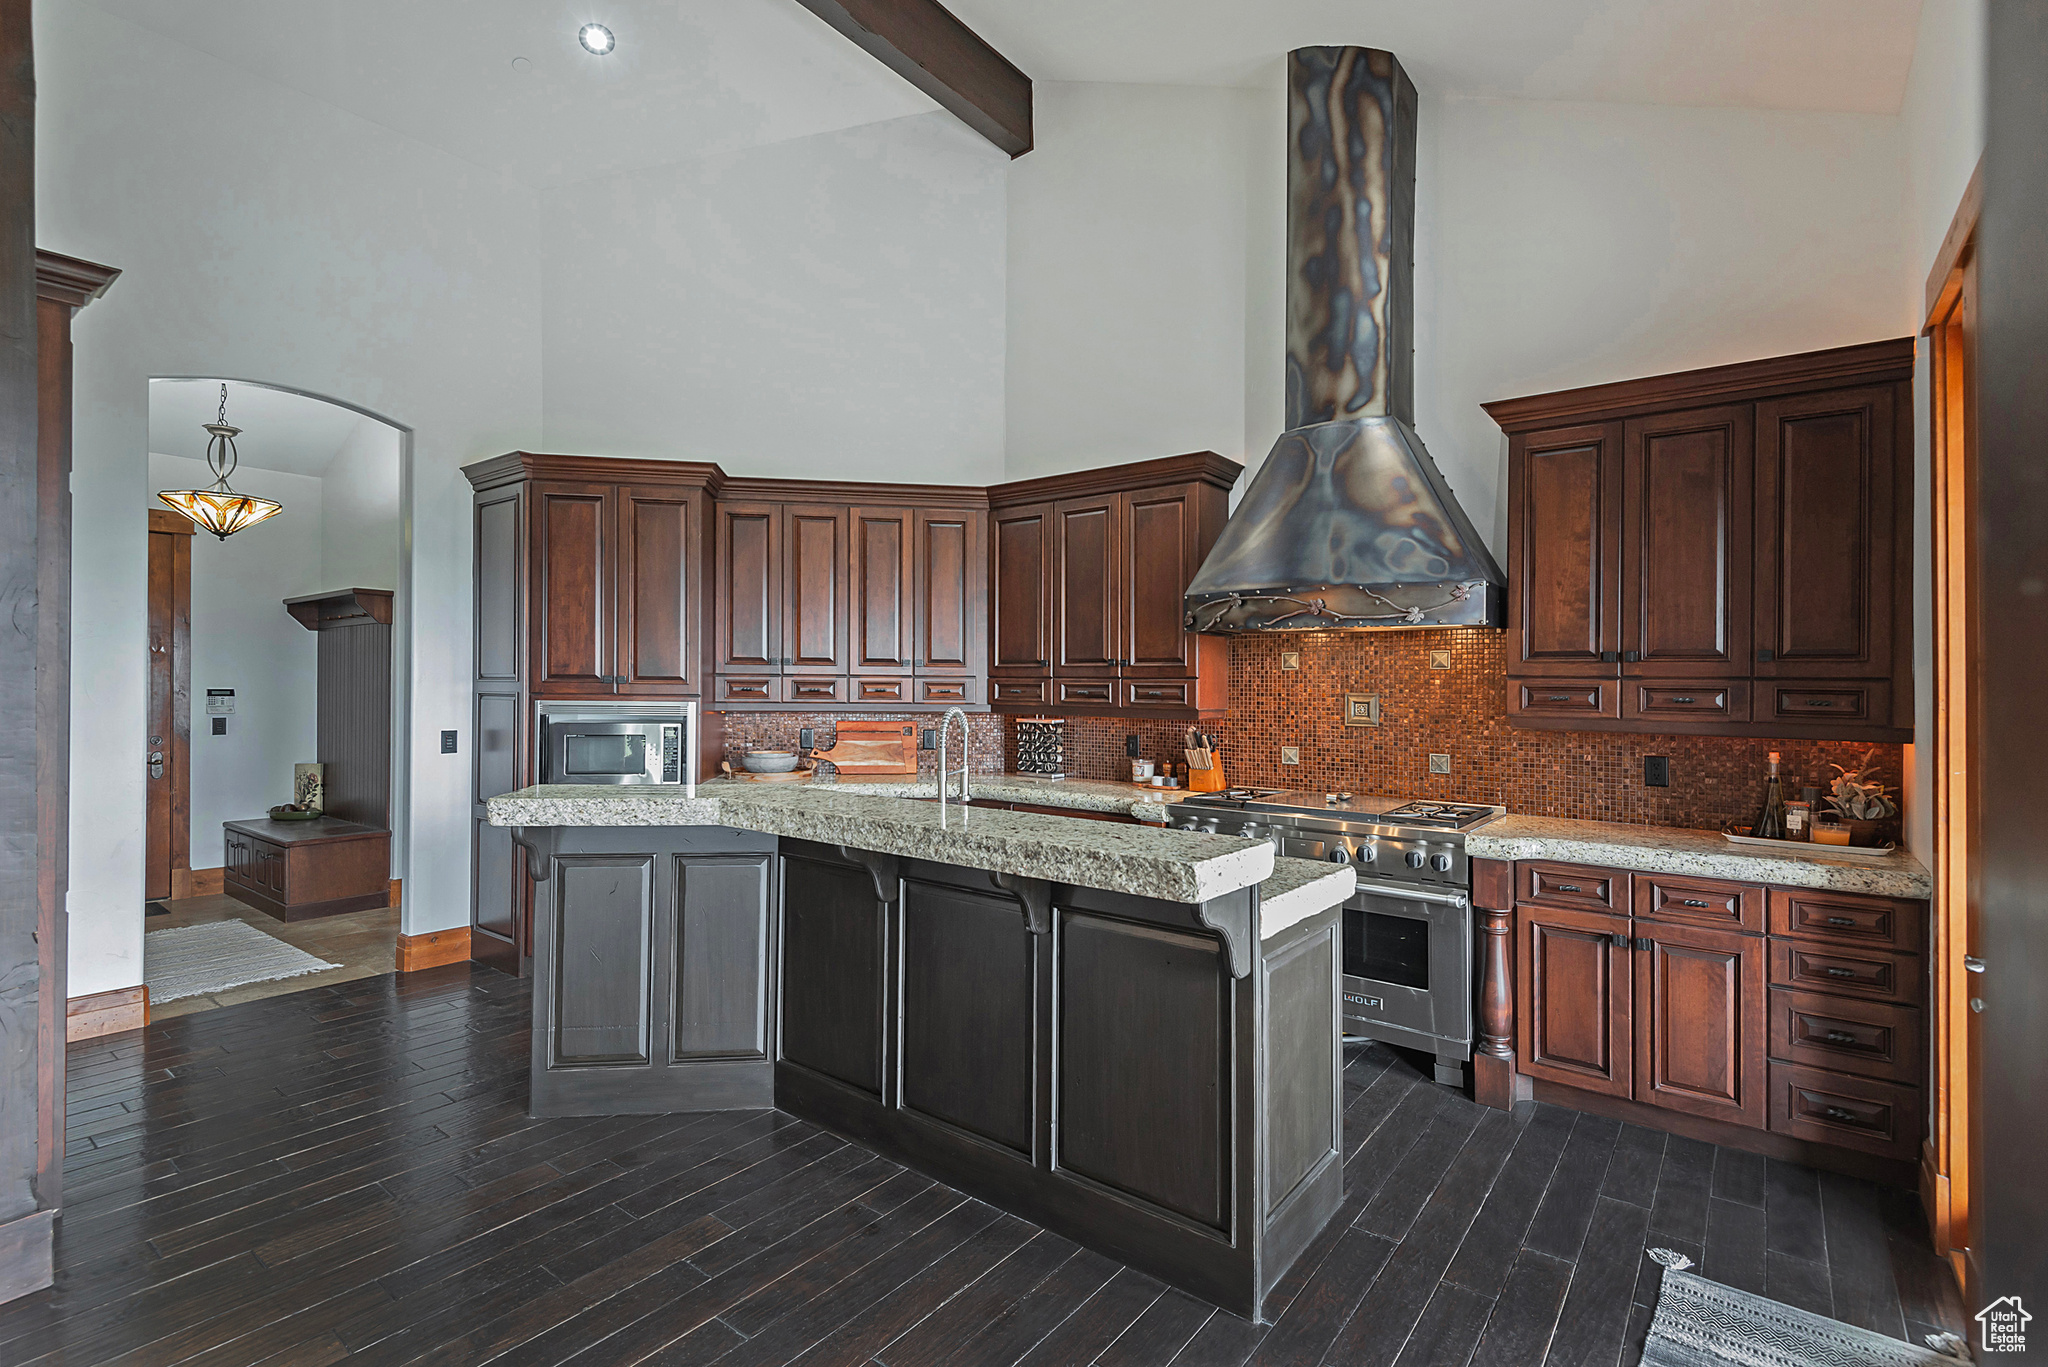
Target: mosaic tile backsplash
[746, 731]
[1461, 712]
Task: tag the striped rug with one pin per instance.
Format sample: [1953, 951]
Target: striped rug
[191, 961]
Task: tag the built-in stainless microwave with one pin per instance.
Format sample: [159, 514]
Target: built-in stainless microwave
[625, 743]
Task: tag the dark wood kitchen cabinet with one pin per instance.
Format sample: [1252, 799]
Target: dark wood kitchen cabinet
[1718, 552]
[1089, 572]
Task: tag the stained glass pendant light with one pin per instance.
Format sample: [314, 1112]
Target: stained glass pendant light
[220, 509]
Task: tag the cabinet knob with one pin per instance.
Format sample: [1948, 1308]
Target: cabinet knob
[1618, 940]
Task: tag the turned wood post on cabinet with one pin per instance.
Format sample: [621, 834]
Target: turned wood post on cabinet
[1494, 1082]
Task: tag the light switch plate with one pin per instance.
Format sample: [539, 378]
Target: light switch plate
[447, 742]
[1290, 754]
[1290, 659]
[1439, 764]
[1439, 659]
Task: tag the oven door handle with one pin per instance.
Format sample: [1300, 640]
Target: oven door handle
[1404, 892]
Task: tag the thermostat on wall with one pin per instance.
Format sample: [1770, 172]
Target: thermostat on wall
[220, 702]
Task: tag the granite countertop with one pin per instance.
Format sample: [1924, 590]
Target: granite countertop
[1299, 889]
[1670, 849]
[1081, 794]
[1173, 866]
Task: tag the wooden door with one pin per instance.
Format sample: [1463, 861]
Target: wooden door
[1827, 471]
[948, 567]
[661, 556]
[1088, 593]
[1700, 1022]
[1573, 990]
[1020, 638]
[1686, 527]
[1158, 553]
[1564, 551]
[167, 863]
[748, 590]
[880, 590]
[814, 578]
[574, 562]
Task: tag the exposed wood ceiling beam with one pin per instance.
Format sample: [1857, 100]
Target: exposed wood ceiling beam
[921, 41]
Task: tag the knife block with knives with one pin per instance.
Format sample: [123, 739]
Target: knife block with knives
[1205, 764]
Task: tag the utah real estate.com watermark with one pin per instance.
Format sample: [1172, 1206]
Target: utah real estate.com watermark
[2004, 1324]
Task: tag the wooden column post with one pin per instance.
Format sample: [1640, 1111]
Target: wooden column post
[1494, 1082]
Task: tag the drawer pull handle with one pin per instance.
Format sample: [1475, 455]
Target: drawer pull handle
[1618, 940]
[1560, 697]
[1840, 972]
[1846, 1117]
[1569, 887]
[1685, 700]
[1819, 702]
[1692, 902]
[1841, 920]
[1839, 1037]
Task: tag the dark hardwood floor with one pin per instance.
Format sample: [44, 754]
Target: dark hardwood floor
[349, 1174]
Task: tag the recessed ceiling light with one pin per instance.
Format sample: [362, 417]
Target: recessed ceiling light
[597, 40]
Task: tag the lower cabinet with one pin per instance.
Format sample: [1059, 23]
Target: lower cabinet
[1802, 1020]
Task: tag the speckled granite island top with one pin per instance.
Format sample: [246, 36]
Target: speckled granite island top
[1669, 849]
[1173, 866]
[1079, 794]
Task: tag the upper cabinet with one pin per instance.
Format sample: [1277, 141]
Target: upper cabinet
[1719, 551]
[1089, 572]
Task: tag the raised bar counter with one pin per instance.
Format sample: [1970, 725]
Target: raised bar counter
[1126, 1034]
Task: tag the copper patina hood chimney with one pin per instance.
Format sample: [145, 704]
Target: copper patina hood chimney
[1348, 523]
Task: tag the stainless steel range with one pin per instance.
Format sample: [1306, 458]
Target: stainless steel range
[1409, 975]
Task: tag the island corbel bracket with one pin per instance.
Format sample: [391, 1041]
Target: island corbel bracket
[882, 868]
[1236, 918]
[1034, 896]
[540, 844]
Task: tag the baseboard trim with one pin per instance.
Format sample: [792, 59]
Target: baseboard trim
[106, 1013]
[397, 891]
[206, 882]
[26, 1263]
[433, 949]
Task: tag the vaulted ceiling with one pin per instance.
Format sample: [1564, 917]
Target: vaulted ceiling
[280, 430]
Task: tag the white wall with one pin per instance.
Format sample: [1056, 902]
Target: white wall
[265, 236]
[830, 306]
[359, 511]
[242, 638]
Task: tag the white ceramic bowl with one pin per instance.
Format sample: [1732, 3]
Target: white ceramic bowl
[768, 761]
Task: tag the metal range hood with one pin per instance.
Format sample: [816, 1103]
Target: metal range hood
[1348, 523]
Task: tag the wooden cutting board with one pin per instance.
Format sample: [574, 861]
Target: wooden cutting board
[862, 747]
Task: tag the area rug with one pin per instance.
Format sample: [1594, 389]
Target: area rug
[1705, 1324]
[191, 961]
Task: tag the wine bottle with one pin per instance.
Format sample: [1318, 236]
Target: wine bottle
[1770, 822]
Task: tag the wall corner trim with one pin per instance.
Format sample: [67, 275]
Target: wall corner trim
[106, 1013]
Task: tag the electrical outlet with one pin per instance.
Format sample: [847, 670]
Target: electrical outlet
[1290, 659]
[1439, 764]
[1439, 659]
[1290, 754]
[1656, 771]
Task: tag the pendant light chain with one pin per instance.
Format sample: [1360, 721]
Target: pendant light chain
[219, 509]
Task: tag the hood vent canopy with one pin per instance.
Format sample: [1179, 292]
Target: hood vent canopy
[1348, 523]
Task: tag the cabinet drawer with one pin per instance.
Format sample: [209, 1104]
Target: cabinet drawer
[1143, 693]
[815, 689]
[1662, 700]
[1037, 692]
[1853, 1112]
[1700, 902]
[1846, 972]
[1099, 692]
[1565, 698]
[878, 688]
[1581, 887]
[1843, 919]
[959, 690]
[747, 688]
[1825, 702]
[1875, 1039]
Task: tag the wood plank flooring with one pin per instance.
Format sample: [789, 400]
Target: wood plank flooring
[348, 1174]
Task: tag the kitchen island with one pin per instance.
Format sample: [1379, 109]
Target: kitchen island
[1126, 1034]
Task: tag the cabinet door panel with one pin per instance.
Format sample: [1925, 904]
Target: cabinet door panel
[500, 586]
[1020, 642]
[572, 531]
[749, 589]
[1086, 640]
[500, 868]
[880, 612]
[660, 554]
[1700, 1021]
[832, 972]
[948, 568]
[1825, 504]
[969, 1012]
[1686, 544]
[1564, 546]
[1158, 558]
[815, 621]
[1574, 998]
[720, 1007]
[602, 912]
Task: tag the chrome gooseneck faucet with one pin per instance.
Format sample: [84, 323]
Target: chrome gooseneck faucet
[945, 725]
